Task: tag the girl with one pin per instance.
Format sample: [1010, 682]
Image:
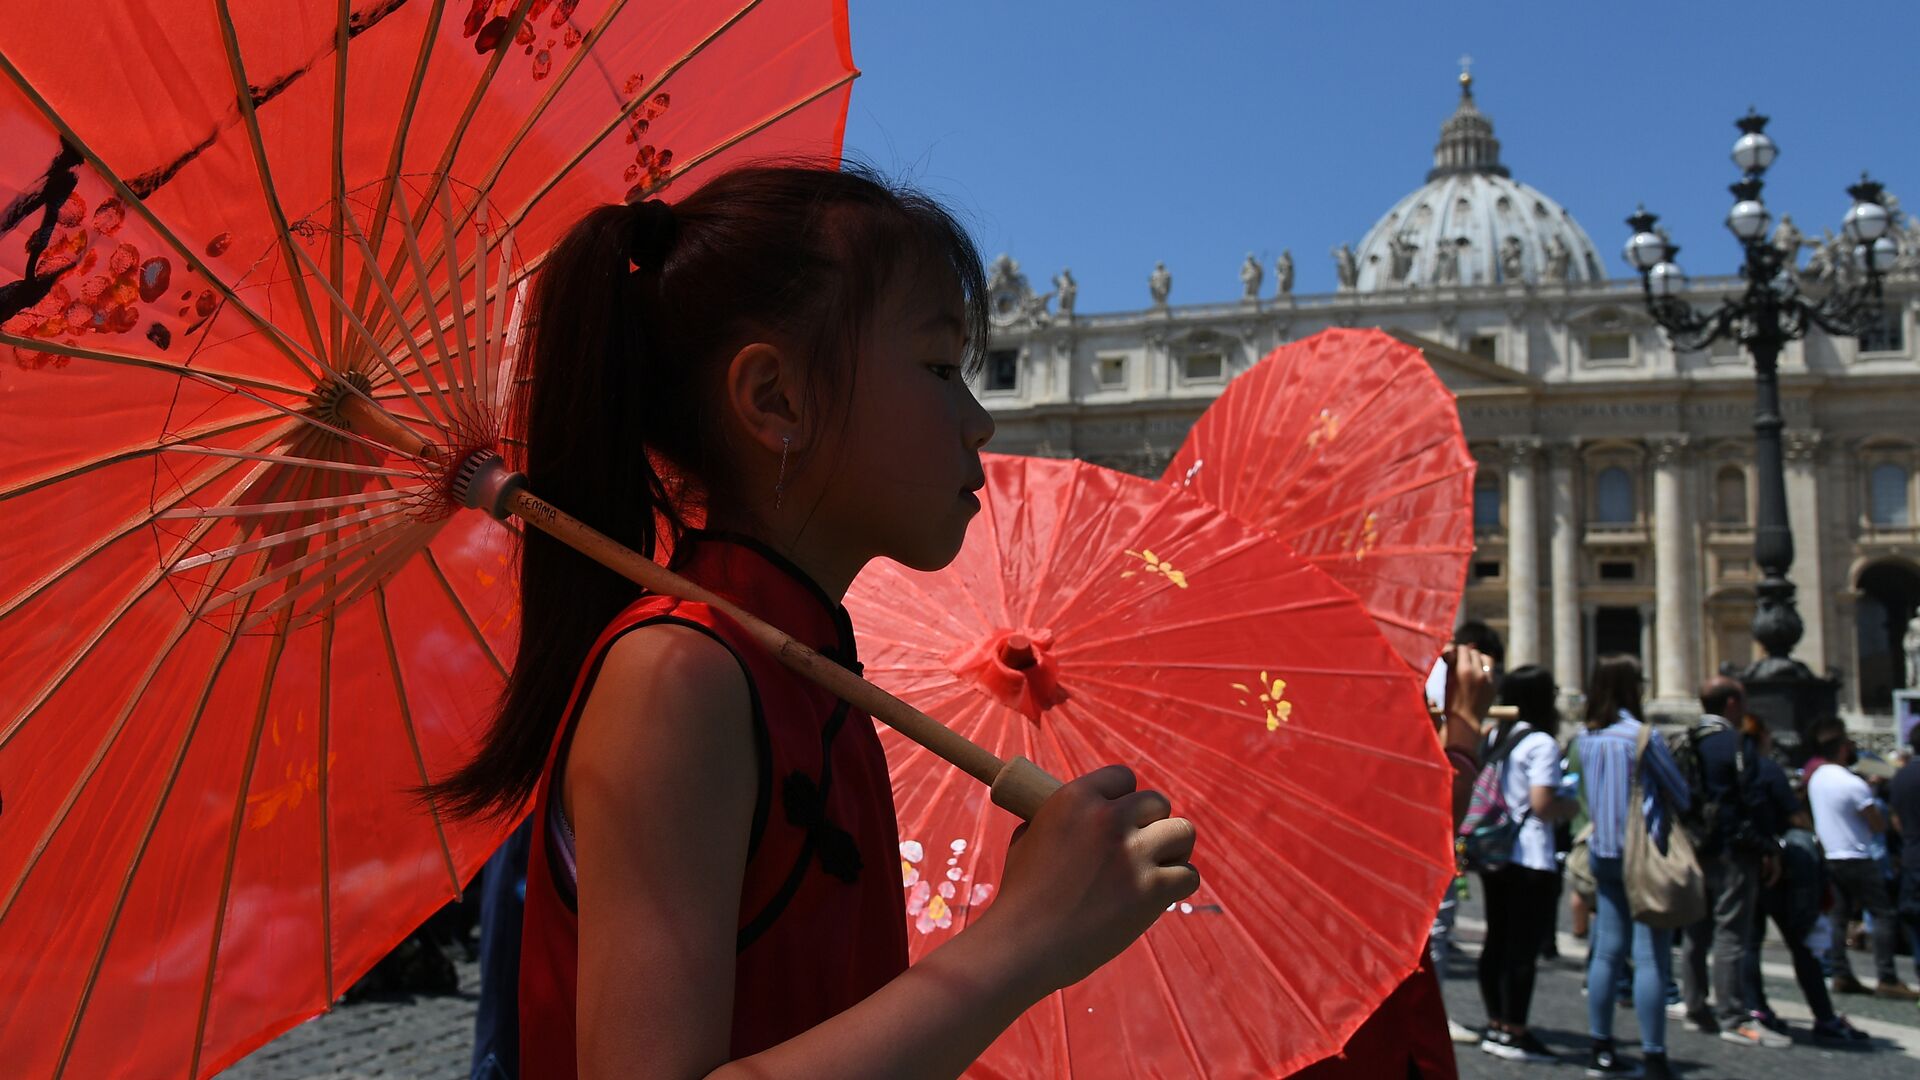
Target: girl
[1606, 772]
[1521, 895]
[712, 889]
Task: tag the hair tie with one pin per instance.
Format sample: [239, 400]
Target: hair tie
[651, 231]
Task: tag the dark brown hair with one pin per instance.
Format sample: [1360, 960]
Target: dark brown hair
[618, 414]
[1613, 688]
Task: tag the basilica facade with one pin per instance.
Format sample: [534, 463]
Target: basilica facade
[1614, 501]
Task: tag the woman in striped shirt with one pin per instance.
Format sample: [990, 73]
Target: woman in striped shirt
[1606, 750]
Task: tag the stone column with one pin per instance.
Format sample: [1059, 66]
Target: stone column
[1564, 561]
[1674, 594]
[1523, 551]
[1802, 453]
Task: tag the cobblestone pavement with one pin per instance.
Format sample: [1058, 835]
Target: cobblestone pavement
[419, 1036]
[431, 1038]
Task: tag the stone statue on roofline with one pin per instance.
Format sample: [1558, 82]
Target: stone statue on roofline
[1160, 284]
[1559, 257]
[1066, 289]
[1346, 267]
[1403, 250]
[1911, 646]
[1283, 274]
[1250, 277]
[1512, 257]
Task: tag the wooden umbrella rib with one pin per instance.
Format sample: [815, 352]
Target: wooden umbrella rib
[466, 617]
[140, 590]
[276, 539]
[373, 276]
[619, 118]
[376, 569]
[126, 527]
[764, 123]
[368, 538]
[339, 308]
[243, 94]
[413, 736]
[283, 344]
[371, 539]
[326, 780]
[342, 40]
[93, 765]
[332, 502]
[449, 240]
[140, 849]
[284, 459]
[410, 243]
[237, 821]
[220, 380]
[482, 355]
[396, 156]
[439, 177]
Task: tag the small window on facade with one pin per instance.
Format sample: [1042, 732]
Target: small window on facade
[1888, 496]
[1485, 346]
[1113, 372]
[1884, 334]
[1486, 506]
[1735, 567]
[1003, 369]
[1203, 367]
[1616, 571]
[1610, 347]
[1613, 497]
[1485, 569]
[1730, 496]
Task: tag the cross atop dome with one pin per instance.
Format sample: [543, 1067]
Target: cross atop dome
[1466, 142]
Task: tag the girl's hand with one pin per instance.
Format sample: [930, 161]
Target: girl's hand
[1095, 867]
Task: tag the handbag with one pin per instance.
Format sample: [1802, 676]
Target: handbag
[1580, 865]
[1665, 889]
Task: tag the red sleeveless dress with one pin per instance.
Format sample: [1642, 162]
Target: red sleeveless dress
[822, 917]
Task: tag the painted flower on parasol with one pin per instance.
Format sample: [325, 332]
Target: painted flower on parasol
[261, 280]
[1094, 617]
[1348, 447]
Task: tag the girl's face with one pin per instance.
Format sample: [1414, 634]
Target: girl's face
[905, 464]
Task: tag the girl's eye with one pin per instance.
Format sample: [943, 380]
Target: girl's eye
[944, 371]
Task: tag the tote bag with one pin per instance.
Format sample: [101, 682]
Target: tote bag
[1665, 889]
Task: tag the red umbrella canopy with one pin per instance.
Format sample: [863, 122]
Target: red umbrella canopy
[1094, 617]
[232, 631]
[1347, 446]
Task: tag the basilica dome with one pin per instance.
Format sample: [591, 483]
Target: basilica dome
[1472, 223]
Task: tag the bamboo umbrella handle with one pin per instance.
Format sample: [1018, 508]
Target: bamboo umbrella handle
[1018, 785]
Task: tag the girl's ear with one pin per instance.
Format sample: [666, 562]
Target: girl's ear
[765, 392]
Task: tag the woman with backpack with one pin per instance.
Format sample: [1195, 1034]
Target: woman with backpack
[1521, 893]
[1609, 760]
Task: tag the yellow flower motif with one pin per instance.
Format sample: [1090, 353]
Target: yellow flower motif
[1271, 698]
[1325, 427]
[1364, 538]
[265, 806]
[1156, 565]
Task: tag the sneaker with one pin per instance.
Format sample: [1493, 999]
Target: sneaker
[1845, 983]
[1524, 1047]
[1496, 1042]
[1837, 1030]
[1702, 1020]
[1896, 991]
[1603, 1063]
[1676, 1010]
[1752, 1034]
[1461, 1033]
[1770, 1020]
[1655, 1067]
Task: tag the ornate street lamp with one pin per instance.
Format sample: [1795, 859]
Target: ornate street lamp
[1771, 311]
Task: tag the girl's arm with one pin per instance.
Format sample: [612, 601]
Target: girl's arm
[662, 778]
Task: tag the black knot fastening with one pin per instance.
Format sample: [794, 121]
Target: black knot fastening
[651, 231]
[806, 809]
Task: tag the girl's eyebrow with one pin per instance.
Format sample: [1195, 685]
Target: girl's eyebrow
[946, 322]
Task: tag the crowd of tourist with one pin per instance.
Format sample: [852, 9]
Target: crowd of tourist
[1682, 840]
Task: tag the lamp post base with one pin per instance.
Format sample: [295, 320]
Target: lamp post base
[1790, 699]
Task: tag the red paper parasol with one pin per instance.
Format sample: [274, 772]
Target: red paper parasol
[1095, 617]
[1348, 447]
[232, 631]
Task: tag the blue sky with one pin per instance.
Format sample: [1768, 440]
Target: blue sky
[1105, 136]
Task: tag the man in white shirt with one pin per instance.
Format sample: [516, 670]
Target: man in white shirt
[1846, 817]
